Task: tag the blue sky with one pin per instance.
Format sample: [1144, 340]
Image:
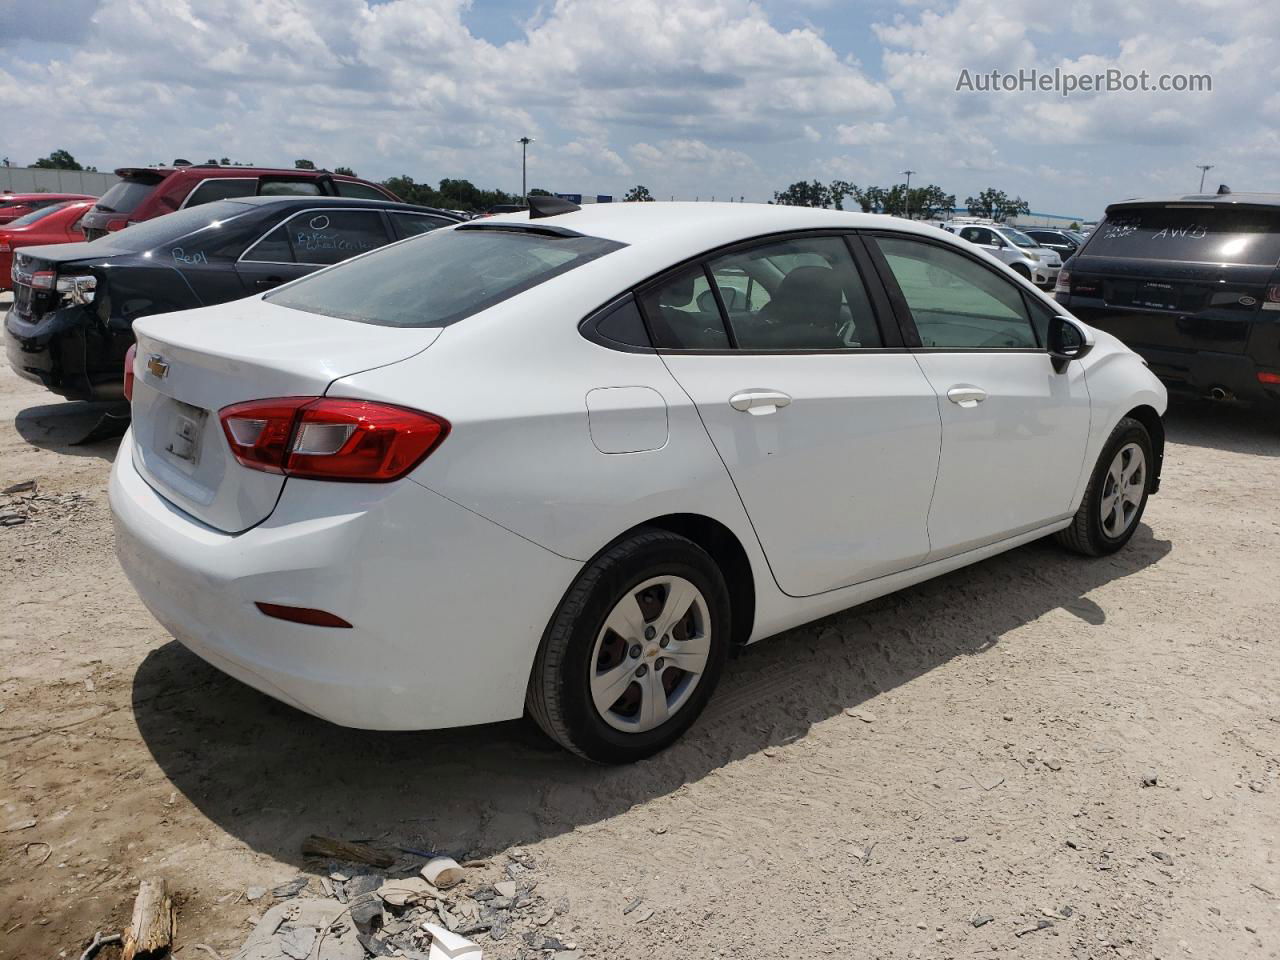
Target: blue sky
[721, 98]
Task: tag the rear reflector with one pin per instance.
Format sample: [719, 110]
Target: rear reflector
[1063, 283]
[1265, 376]
[312, 618]
[329, 438]
[128, 371]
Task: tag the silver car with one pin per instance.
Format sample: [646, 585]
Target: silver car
[1023, 255]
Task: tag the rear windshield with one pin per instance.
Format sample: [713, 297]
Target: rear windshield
[124, 196]
[440, 277]
[1192, 233]
[35, 215]
[173, 226]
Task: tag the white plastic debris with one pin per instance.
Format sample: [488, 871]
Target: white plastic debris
[446, 945]
[408, 890]
[442, 872]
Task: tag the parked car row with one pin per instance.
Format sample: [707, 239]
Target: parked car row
[1024, 255]
[16, 205]
[57, 222]
[75, 303]
[561, 462]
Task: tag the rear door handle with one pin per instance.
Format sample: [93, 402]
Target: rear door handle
[269, 282]
[966, 395]
[759, 403]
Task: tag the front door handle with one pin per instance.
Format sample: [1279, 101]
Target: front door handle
[966, 395]
[759, 403]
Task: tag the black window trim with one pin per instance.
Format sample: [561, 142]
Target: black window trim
[589, 326]
[903, 311]
[382, 214]
[871, 281]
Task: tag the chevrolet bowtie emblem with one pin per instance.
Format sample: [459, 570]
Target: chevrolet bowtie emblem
[158, 366]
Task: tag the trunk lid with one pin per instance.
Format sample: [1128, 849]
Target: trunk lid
[192, 364]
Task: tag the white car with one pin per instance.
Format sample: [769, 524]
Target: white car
[1024, 255]
[564, 463]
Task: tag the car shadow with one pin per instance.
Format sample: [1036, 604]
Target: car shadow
[1230, 428]
[90, 428]
[270, 775]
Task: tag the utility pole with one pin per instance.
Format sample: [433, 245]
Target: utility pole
[1203, 168]
[524, 161]
[907, 199]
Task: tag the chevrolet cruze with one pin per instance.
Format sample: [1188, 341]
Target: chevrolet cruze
[561, 462]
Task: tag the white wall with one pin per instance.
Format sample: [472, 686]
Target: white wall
[36, 180]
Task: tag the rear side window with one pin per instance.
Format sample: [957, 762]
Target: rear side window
[331, 236]
[38, 214]
[683, 314]
[224, 189]
[1187, 232]
[124, 197]
[441, 277]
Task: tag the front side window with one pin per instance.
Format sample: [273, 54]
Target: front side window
[224, 189]
[955, 302]
[1017, 238]
[796, 294]
[441, 277]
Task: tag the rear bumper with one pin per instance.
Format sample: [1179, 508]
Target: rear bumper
[58, 352]
[1202, 372]
[447, 608]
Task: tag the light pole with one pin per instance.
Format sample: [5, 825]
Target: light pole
[907, 199]
[1203, 168]
[524, 160]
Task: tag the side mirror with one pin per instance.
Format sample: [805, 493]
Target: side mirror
[1068, 340]
[997, 242]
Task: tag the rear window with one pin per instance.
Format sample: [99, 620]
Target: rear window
[35, 215]
[441, 277]
[1190, 233]
[124, 196]
[172, 226]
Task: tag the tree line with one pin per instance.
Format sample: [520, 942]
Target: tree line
[929, 202]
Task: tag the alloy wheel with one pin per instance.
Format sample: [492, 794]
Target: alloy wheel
[1123, 490]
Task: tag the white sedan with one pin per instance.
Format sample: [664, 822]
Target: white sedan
[561, 463]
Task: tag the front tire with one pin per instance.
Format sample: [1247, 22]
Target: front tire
[1117, 493]
[634, 651]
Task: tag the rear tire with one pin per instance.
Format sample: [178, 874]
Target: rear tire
[1117, 494]
[619, 695]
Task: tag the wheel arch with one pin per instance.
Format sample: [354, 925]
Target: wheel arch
[730, 556]
[1149, 418]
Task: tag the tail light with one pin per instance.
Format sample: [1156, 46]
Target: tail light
[1063, 283]
[128, 371]
[331, 438]
[1266, 376]
[1273, 294]
[43, 279]
[118, 223]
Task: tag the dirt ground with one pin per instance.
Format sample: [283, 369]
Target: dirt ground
[1011, 712]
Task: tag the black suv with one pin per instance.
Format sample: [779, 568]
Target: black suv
[1192, 285]
[1065, 243]
[74, 303]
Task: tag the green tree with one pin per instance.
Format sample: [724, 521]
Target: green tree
[1074, 225]
[869, 199]
[838, 190]
[996, 205]
[894, 200]
[225, 161]
[802, 194]
[638, 193]
[930, 202]
[304, 165]
[539, 192]
[58, 160]
[345, 171]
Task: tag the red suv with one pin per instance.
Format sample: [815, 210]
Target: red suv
[15, 205]
[146, 192]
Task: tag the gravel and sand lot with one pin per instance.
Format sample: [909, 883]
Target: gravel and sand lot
[1094, 744]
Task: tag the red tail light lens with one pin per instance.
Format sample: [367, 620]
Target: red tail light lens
[128, 371]
[43, 279]
[306, 615]
[1266, 376]
[1063, 283]
[331, 438]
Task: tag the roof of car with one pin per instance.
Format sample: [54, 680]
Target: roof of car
[1225, 199]
[703, 226]
[311, 201]
[228, 168]
[10, 197]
